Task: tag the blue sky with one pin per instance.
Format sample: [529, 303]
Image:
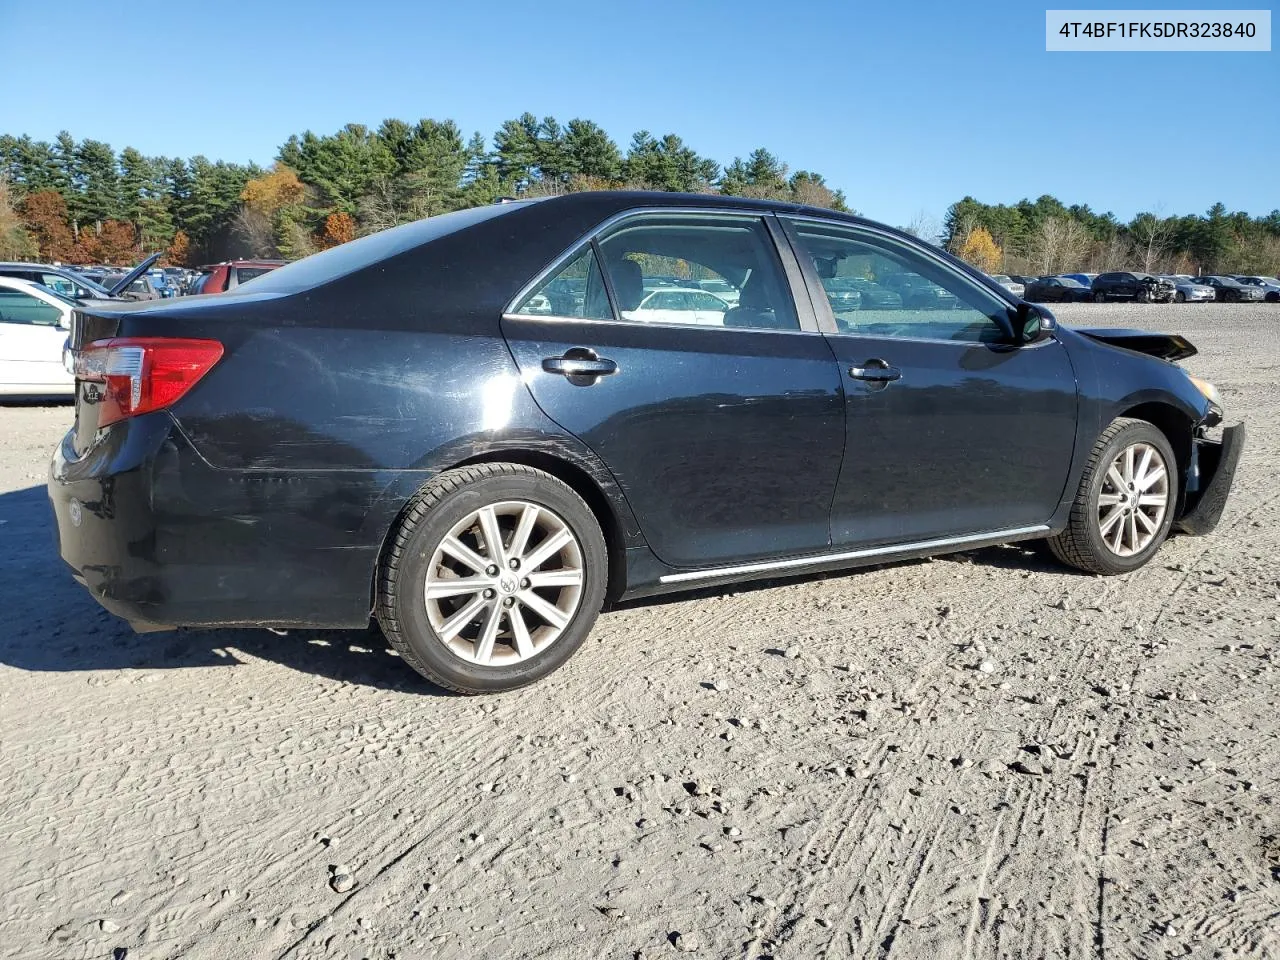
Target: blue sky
[906, 107]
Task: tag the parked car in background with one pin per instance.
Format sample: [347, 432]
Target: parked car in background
[1270, 286]
[1056, 290]
[1085, 279]
[141, 288]
[721, 288]
[73, 283]
[222, 469]
[679, 305]
[34, 321]
[68, 282]
[1015, 287]
[843, 294]
[1187, 290]
[219, 277]
[1230, 290]
[1126, 285]
[875, 296]
[917, 292]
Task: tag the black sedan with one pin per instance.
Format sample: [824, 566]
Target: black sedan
[1231, 290]
[1056, 290]
[390, 430]
[1128, 285]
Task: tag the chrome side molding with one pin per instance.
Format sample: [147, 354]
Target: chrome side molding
[993, 537]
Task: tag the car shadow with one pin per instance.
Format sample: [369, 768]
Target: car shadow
[53, 625]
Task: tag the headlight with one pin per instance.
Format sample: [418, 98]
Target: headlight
[1208, 389]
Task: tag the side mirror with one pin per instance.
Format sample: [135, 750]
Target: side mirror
[1033, 323]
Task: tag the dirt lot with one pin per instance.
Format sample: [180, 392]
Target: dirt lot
[983, 755]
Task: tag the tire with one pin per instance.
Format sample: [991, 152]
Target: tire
[474, 655]
[1142, 296]
[1273, 297]
[1180, 297]
[1083, 543]
[1099, 298]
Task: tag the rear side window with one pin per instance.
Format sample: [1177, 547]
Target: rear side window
[19, 307]
[683, 250]
[575, 292]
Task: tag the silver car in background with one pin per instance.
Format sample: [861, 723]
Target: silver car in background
[1188, 291]
[1270, 286]
[1013, 286]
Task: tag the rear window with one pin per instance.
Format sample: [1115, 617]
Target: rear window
[347, 258]
[245, 274]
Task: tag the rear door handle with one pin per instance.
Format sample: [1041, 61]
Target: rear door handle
[876, 370]
[580, 362]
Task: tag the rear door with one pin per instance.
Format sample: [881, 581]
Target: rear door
[951, 431]
[726, 439]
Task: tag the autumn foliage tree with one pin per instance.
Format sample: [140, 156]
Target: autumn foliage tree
[179, 250]
[45, 214]
[118, 242]
[981, 250]
[15, 241]
[338, 228]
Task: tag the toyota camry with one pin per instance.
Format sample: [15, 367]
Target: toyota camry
[417, 428]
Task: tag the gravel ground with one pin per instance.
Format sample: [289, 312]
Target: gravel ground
[982, 755]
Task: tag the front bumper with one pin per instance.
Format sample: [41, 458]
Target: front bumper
[1213, 469]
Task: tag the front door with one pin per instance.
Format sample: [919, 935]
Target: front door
[952, 431]
[31, 341]
[725, 432]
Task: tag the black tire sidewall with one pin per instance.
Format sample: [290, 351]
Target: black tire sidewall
[1130, 434]
[410, 605]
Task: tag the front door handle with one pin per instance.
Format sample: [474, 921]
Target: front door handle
[580, 362]
[876, 370]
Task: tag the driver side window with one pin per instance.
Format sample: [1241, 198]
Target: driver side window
[877, 286]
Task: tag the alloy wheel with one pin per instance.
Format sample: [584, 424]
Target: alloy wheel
[1134, 499]
[504, 583]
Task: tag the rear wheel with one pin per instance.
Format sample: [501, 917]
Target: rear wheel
[1124, 505]
[493, 578]
[1099, 298]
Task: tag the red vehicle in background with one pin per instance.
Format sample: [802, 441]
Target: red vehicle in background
[217, 277]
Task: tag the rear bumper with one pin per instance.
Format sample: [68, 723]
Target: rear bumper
[1213, 471]
[159, 537]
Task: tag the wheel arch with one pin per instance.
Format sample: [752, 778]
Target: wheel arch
[1177, 427]
[618, 529]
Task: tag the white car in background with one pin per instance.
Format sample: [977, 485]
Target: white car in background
[679, 305]
[34, 323]
[1013, 286]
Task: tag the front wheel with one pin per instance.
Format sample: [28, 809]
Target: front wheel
[1180, 297]
[493, 578]
[1125, 502]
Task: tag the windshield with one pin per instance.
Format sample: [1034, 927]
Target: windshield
[1068, 282]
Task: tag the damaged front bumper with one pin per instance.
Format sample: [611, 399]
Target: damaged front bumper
[1209, 478]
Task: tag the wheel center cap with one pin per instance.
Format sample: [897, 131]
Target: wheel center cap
[508, 584]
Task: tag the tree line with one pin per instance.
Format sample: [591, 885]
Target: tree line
[81, 202]
[1045, 237]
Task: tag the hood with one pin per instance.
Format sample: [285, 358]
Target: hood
[122, 284]
[1166, 346]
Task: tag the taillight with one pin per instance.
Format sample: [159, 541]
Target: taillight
[142, 374]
